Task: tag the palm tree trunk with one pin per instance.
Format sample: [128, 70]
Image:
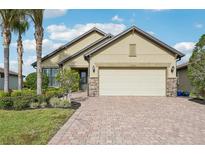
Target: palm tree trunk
[6, 68]
[39, 39]
[20, 62]
[6, 43]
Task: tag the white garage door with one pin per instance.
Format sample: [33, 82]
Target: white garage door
[132, 82]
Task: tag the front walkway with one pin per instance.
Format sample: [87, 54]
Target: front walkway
[134, 120]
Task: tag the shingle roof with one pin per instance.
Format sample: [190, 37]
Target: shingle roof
[148, 36]
[94, 29]
[10, 72]
[90, 46]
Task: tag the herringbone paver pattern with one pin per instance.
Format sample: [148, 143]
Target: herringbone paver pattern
[134, 120]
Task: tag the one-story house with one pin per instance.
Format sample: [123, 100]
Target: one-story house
[13, 79]
[183, 83]
[132, 63]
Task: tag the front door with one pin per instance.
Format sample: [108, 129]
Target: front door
[83, 80]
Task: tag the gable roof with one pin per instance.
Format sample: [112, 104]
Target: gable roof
[90, 46]
[141, 32]
[181, 66]
[94, 29]
[10, 72]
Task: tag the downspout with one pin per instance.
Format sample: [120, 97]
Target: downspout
[179, 59]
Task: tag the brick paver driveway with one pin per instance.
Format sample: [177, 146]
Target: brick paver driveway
[134, 120]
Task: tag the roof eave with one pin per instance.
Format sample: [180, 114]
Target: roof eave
[84, 49]
[179, 54]
[71, 42]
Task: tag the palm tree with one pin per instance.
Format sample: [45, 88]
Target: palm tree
[7, 17]
[20, 26]
[37, 18]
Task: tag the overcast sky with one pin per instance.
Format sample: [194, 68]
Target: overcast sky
[178, 28]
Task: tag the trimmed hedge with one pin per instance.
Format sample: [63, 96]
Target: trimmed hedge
[19, 100]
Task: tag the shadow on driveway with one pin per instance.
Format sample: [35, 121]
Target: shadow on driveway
[199, 101]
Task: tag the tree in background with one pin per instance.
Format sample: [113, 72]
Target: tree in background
[7, 17]
[20, 26]
[196, 69]
[31, 80]
[37, 18]
[69, 80]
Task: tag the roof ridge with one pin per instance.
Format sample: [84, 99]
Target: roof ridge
[71, 42]
[156, 40]
[85, 48]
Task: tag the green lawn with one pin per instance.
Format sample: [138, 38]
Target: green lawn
[31, 126]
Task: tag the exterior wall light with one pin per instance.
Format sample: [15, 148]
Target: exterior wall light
[93, 69]
[172, 69]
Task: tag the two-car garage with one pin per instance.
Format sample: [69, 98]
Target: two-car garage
[132, 82]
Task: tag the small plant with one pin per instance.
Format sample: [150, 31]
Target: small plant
[4, 94]
[69, 80]
[6, 102]
[28, 92]
[64, 103]
[21, 103]
[43, 104]
[16, 93]
[54, 102]
[34, 105]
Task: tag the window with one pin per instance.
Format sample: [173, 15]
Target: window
[132, 50]
[51, 73]
[2, 75]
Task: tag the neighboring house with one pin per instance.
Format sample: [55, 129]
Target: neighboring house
[13, 79]
[183, 83]
[132, 63]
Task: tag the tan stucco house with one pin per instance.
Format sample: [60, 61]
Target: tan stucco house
[183, 83]
[132, 63]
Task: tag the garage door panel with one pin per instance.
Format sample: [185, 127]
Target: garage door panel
[132, 82]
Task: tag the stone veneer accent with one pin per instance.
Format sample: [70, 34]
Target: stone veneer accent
[93, 89]
[171, 87]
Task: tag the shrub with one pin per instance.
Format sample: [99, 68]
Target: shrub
[6, 102]
[68, 79]
[21, 103]
[64, 104]
[28, 92]
[34, 105]
[43, 104]
[4, 94]
[31, 80]
[54, 102]
[52, 93]
[16, 93]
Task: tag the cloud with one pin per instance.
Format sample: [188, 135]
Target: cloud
[117, 18]
[13, 65]
[64, 33]
[158, 10]
[151, 32]
[198, 25]
[48, 45]
[186, 48]
[53, 13]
